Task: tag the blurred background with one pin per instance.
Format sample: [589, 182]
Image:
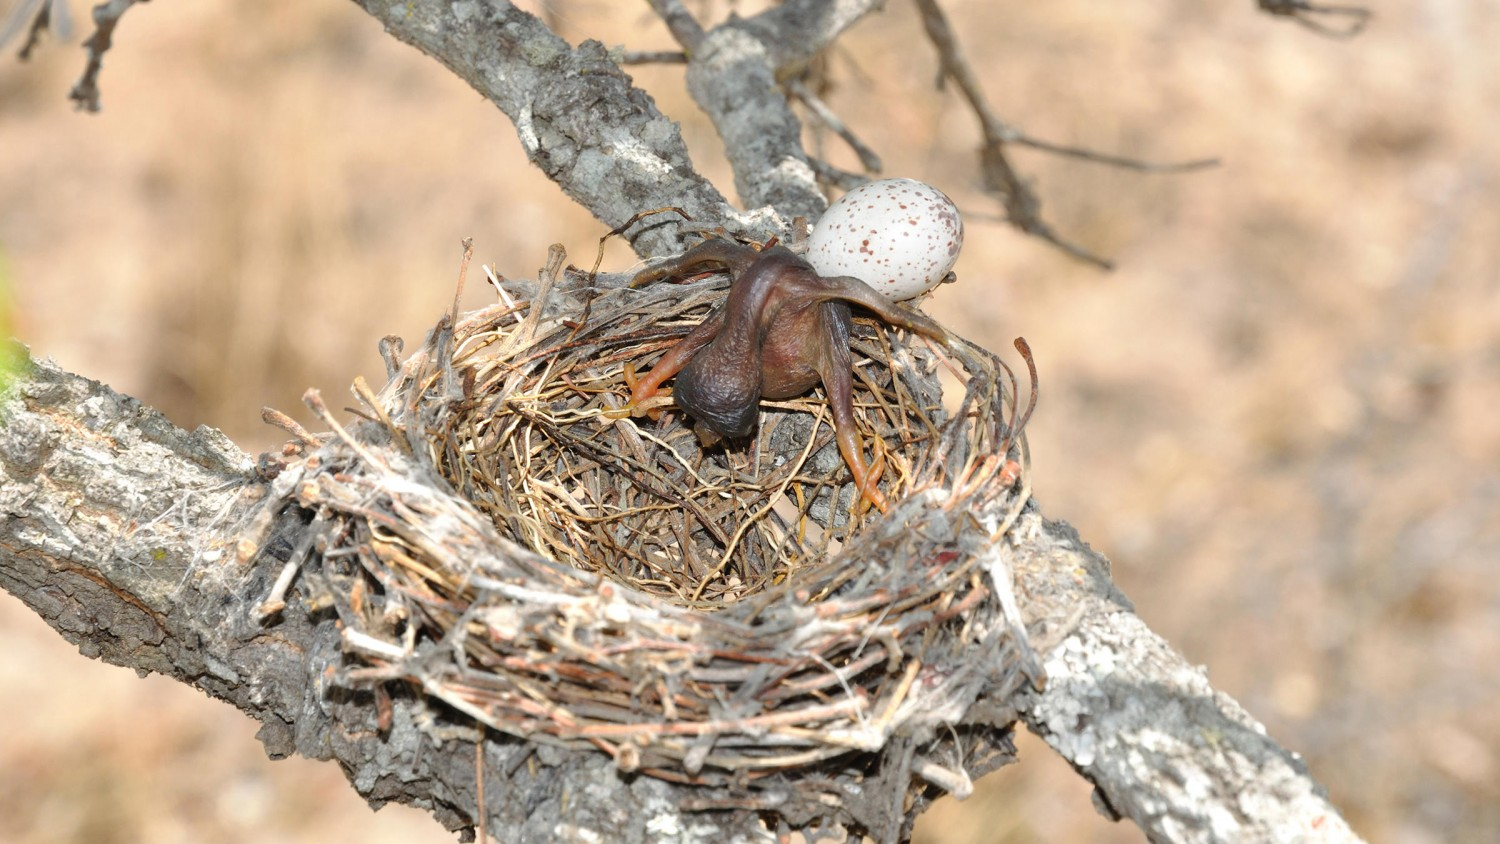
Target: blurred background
[1277, 417]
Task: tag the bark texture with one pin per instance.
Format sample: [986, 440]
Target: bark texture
[580, 118]
[125, 534]
[603, 141]
[1165, 749]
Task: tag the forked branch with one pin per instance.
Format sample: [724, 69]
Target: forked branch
[1022, 207]
[150, 572]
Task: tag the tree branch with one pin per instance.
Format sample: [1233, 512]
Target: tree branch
[43, 16]
[735, 73]
[129, 536]
[85, 92]
[124, 533]
[1315, 16]
[798, 30]
[579, 117]
[1182, 760]
[1022, 207]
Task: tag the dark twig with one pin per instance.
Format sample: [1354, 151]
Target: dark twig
[45, 16]
[1015, 136]
[39, 24]
[1303, 13]
[653, 57]
[1022, 207]
[85, 93]
[680, 22]
[830, 175]
[868, 159]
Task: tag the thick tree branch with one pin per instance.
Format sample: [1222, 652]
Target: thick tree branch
[1164, 748]
[798, 30]
[732, 78]
[123, 532]
[128, 536]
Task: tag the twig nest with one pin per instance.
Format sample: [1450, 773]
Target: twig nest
[900, 236]
[720, 616]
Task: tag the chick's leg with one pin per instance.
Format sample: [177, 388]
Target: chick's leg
[836, 367]
[851, 289]
[735, 257]
[673, 361]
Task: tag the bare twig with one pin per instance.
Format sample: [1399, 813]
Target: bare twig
[484, 832]
[831, 175]
[1304, 13]
[680, 22]
[867, 157]
[1015, 136]
[85, 93]
[653, 57]
[45, 16]
[1022, 207]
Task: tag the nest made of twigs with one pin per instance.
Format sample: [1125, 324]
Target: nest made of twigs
[520, 549]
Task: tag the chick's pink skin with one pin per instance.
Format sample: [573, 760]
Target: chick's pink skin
[782, 329]
[899, 236]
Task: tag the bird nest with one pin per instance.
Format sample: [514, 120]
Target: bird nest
[507, 539]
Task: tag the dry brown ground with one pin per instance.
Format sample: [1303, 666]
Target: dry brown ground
[1278, 417]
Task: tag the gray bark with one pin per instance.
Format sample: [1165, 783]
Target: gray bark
[603, 141]
[734, 74]
[124, 533]
[1165, 749]
[580, 119]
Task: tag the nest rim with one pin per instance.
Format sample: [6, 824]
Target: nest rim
[832, 657]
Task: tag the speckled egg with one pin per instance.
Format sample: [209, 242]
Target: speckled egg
[900, 236]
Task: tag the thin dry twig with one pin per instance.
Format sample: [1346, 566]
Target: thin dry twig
[653, 57]
[827, 174]
[44, 16]
[868, 159]
[1311, 15]
[85, 92]
[680, 22]
[1022, 207]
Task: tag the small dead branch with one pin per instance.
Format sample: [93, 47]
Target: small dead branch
[1313, 16]
[683, 26]
[1022, 207]
[85, 93]
[653, 57]
[830, 175]
[868, 159]
[44, 16]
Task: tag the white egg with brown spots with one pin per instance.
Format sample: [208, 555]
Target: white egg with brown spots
[900, 236]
